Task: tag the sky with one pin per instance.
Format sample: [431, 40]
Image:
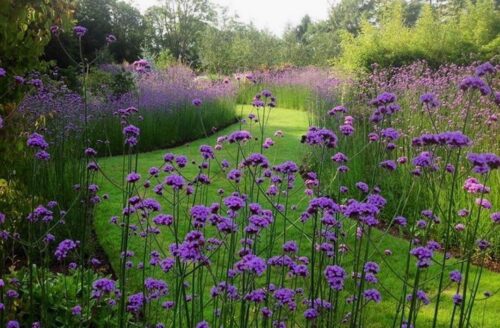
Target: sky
[273, 15]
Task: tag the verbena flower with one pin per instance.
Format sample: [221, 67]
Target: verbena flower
[79, 31]
[110, 38]
[485, 68]
[430, 100]
[335, 276]
[372, 295]
[320, 137]
[455, 276]
[484, 162]
[423, 255]
[197, 102]
[64, 248]
[103, 287]
[472, 82]
[36, 140]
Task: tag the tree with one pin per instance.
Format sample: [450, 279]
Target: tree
[347, 14]
[24, 33]
[101, 18]
[128, 25]
[177, 25]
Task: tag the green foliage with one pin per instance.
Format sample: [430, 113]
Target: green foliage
[54, 295]
[104, 84]
[472, 34]
[24, 32]
[101, 18]
[164, 59]
[177, 25]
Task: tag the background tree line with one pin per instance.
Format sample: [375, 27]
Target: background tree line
[205, 37]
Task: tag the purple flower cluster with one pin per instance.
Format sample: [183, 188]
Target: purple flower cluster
[423, 255]
[450, 138]
[64, 248]
[320, 137]
[473, 82]
[335, 276]
[484, 162]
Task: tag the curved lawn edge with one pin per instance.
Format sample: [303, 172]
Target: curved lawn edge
[294, 123]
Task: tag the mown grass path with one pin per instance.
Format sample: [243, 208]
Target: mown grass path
[293, 123]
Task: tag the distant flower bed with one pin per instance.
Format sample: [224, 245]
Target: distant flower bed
[296, 87]
[168, 114]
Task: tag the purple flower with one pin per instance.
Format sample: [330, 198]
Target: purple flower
[40, 214]
[133, 177]
[110, 38]
[455, 276]
[472, 185]
[290, 246]
[371, 267]
[163, 219]
[36, 140]
[207, 152]
[141, 66]
[485, 68]
[495, 217]
[239, 136]
[266, 93]
[430, 100]
[13, 324]
[63, 249]
[472, 82]
[484, 162]
[339, 158]
[400, 220]
[335, 276]
[257, 296]
[79, 31]
[251, 263]
[135, 303]
[76, 310]
[55, 30]
[197, 102]
[388, 165]
[284, 296]
[102, 287]
[363, 187]
[422, 296]
[483, 244]
[389, 134]
[156, 288]
[423, 255]
[337, 109]
[311, 314]
[202, 324]
[457, 299]
[484, 203]
[347, 129]
[424, 159]
[383, 99]
[372, 295]
[175, 181]
[200, 215]
[3, 73]
[234, 203]
[320, 137]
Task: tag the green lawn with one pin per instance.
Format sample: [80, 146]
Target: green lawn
[293, 123]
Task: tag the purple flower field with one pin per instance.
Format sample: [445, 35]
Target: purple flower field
[139, 196]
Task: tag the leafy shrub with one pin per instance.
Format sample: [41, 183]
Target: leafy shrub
[470, 35]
